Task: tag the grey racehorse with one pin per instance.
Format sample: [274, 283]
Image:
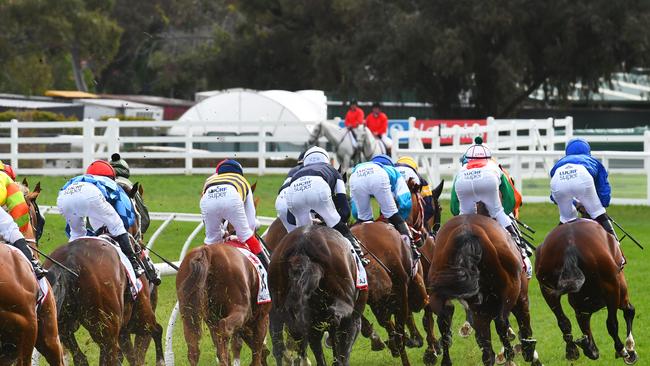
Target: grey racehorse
[348, 151]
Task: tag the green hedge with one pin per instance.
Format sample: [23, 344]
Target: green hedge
[33, 116]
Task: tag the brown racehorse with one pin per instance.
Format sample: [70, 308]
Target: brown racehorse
[217, 284]
[100, 300]
[22, 325]
[474, 260]
[312, 280]
[578, 259]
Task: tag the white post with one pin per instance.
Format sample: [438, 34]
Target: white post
[513, 135]
[188, 149]
[412, 132]
[14, 144]
[261, 150]
[89, 141]
[550, 136]
[113, 136]
[568, 129]
[456, 138]
[492, 133]
[516, 171]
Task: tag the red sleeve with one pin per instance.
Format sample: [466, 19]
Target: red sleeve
[349, 119]
[383, 123]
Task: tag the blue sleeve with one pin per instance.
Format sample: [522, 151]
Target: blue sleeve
[353, 211]
[602, 185]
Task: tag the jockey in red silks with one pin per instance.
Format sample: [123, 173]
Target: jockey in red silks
[227, 195]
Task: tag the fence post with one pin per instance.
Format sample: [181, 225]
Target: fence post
[89, 141]
[261, 150]
[14, 144]
[113, 136]
[492, 136]
[568, 129]
[188, 149]
[516, 172]
[411, 129]
[513, 135]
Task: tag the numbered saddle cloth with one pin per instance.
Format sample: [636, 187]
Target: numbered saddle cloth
[263, 293]
[135, 284]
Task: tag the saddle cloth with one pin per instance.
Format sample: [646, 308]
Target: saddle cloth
[263, 293]
[135, 284]
[43, 285]
[362, 277]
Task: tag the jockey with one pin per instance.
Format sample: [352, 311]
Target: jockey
[378, 178]
[481, 179]
[10, 171]
[354, 116]
[318, 187]
[16, 221]
[407, 166]
[288, 220]
[579, 176]
[227, 195]
[122, 174]
[377, 122]
[97, 196]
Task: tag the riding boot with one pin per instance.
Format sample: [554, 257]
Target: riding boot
[398, 222]
[606, 223]
[264, 258]
[127, 249]
[522, 250]
[39, 271]
[345, 231]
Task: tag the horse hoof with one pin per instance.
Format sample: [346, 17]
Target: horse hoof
[414, 342]
[572, 352]
[511, 334]
[328, 340]
[466, 330]
[632, 358]
[377, 345]
[587, 349]
[500, 359]
[517, 348]
[511, 363]
[430, 357]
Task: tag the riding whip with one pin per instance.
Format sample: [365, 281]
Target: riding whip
[375, 257]
[175, 267]
[55, 262]
[626, 233]
[523, 224]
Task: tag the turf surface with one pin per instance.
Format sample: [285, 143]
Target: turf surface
[181, 194]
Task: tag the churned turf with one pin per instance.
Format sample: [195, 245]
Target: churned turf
[180, 193]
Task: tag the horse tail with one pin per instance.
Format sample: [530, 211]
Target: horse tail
[63, 283]
[460, 279]
[571, 277]
[304, 277]
[193, 287]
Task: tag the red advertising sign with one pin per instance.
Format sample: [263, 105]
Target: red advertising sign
[427, 124]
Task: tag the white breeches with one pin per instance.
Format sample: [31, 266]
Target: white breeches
[573, 181]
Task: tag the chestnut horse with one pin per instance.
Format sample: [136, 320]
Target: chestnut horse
[312, 280]
[23, 326]
[475, 261]
[217, 284]
[100, 300]
[579, 259]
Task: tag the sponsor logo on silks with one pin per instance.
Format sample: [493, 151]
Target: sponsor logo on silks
[73, 188]
[217, 192]
[301, 184]
[473, 174]
[568, 173]
[363, 172]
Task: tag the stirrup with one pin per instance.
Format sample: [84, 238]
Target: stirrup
[39, 271]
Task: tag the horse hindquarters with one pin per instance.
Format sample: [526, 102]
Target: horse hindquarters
[47, 342]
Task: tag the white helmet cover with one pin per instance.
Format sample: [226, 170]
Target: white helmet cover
[478, 152]
[316, 155]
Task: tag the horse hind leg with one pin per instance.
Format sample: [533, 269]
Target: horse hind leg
[586, 342]
[433, 345]
[415, 338]
[367, 330]
[223, 332]
[192, 333]
[276, 330]
[612, 328]
[572, 353]
[345, 335]
[502, 327]
[628, 314]
[315, 337]
[126, 348]
[484, 338]
[466, 329]
[47, 342]
[444, 326]
[66, 334]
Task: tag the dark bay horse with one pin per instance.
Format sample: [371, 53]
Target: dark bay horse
[475, 261]
[312, 280]
[217, 284]
[579, 259]
[22, 325]
[101, 301]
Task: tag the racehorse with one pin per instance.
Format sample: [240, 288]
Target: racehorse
[344, 147]
[217, 284]
[578, 258]
[312, 278]
[23, 326]
[475, 261]
[100, 300]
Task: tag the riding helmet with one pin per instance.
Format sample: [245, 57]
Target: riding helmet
[478, 150]
[408, 161]
[578, 146]
[315, 155]
[382, 159]
[229, 166]
[120, 165]
[101, 168]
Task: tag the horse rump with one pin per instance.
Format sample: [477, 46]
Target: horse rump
[571, 276]
[460, 278]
